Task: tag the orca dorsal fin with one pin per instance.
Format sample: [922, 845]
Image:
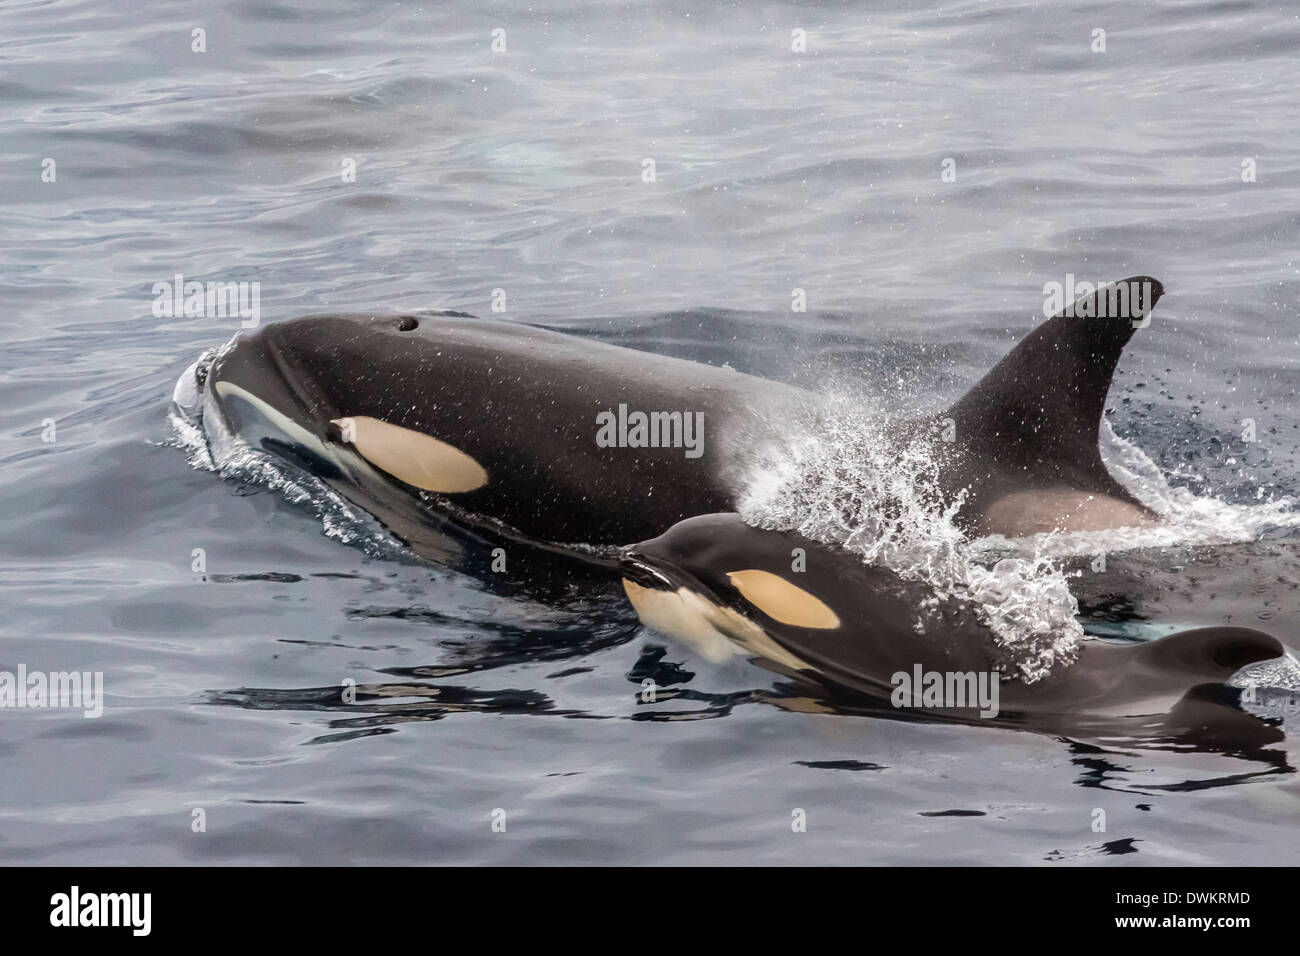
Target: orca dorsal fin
[1036, 416]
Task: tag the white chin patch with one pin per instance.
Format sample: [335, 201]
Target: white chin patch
[782, 601]
[685, 615]
[274, 416]
[715, 633]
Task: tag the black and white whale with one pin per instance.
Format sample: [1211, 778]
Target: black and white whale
[861, 632]
[632, 464]
[553, 438]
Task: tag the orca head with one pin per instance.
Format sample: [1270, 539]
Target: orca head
[334, 394]
[798, 606]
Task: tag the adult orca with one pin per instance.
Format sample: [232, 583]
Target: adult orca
[550, 438]
[850, 630]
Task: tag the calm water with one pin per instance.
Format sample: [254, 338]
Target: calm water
[522, 171]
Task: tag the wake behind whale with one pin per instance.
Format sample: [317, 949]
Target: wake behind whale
[474, 431]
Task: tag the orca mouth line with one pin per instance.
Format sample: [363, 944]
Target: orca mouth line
[638, 569]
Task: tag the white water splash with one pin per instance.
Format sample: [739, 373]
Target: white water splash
[849, 485]
[1271, 689]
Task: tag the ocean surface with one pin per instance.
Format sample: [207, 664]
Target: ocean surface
[920, 172]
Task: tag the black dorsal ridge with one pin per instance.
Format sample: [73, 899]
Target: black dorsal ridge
[1036, 415]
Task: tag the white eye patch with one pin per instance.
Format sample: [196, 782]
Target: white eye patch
[413, 457]
[782, 601]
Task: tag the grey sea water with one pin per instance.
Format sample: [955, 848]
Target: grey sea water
[127, 156]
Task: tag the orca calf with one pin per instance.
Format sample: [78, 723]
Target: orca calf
[862, 632]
